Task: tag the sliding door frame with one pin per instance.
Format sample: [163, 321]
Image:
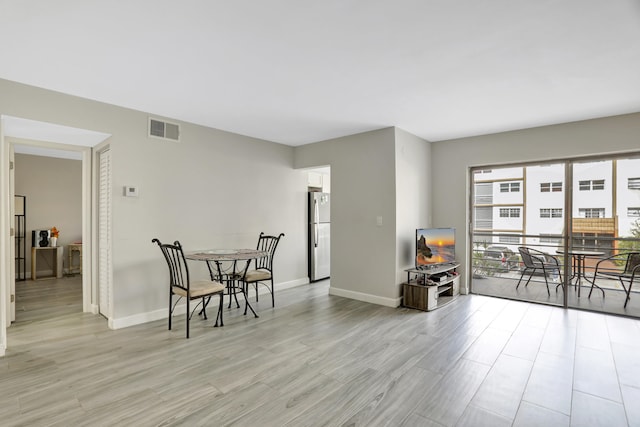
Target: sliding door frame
[568, 188]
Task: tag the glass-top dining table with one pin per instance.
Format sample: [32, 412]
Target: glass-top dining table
[230, 265]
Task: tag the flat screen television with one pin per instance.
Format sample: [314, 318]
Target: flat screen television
[435, 246]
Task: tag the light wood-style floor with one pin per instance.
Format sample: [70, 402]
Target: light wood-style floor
[323, 360]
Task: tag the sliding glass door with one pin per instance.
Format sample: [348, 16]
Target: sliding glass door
[558, 233]
[516, 209]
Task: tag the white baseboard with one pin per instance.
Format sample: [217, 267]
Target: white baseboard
[140, 318]
[290, 284]
[152, 316]
[359, 296]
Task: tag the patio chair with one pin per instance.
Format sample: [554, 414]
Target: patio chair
[610, 268]
[535, 260]
[181, 285]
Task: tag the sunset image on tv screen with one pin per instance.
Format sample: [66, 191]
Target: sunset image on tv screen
[435, 246]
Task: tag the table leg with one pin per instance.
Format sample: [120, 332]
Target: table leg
[581, 271]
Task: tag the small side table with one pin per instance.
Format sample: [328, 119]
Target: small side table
[74, 247]
[34, 258]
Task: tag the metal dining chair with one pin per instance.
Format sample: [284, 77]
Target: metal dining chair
[182, 286]
[263, 271]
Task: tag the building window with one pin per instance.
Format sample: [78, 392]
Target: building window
[550, 239]
[482, 171]
[594, 184]
[483, 217]
[483, 193]
[509, 212]
[510, 187]
[591, 212]
[633, 184]
[550, 213]
[633, 212]
[547, 187]
[512, 240]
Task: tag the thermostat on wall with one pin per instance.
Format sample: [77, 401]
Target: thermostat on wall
[130, 191]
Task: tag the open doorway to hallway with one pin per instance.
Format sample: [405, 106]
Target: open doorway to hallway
[51, 185]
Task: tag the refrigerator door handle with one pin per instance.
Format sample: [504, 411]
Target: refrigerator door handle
[315, 238]
[316, 218]
[316, 211]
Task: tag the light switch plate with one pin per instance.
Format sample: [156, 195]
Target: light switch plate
[130, 191]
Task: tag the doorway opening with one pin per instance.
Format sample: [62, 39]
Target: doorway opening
[48, 276]
[41, 138]
[319, 223]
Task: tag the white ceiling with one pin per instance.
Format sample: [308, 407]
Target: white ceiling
[296, 71]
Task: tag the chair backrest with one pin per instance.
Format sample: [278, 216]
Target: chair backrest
[178, 270]
[633, 260]
[269, 245]
[530, 257]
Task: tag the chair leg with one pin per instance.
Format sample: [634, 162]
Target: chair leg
[188, 317]
[521, 276]
[593, 285]
[273, 297]
[628, 291]
[561, 282]
[204, 307]
[547, 283]
[220, 310]
[170, 310]
[245, 290]
[255, 285]
[529, 279]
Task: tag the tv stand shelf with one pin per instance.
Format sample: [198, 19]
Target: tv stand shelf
[430, 288]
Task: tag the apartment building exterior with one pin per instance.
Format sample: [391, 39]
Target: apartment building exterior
[526, 205]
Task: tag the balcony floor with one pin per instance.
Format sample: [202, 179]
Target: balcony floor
[504, 285]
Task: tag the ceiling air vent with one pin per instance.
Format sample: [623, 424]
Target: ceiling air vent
[164, 130]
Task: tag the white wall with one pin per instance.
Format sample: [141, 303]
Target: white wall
[453, 158]
[363, 254]
[53, 188]
[212, 189]
[413, 197]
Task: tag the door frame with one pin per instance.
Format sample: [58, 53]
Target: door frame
[39, 135]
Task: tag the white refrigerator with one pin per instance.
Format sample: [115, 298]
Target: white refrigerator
[319, 235]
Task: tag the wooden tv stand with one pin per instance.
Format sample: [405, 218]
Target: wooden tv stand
[430, 288]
